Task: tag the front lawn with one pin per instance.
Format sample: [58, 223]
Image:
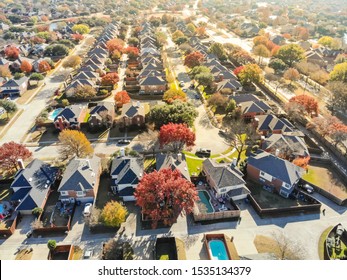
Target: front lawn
[194, 165]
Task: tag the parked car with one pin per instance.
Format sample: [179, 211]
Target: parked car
[203, 152]
[87, 209]
[124, 141]
[184, 90]
[308, 188]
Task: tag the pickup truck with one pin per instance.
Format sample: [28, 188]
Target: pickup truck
[203, 152]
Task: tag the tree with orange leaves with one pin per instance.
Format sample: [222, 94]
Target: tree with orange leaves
[26, 67]
[12, 52]
[44, 66]
[115, 44]
[302, 162]
[121, 98]
[308, 102]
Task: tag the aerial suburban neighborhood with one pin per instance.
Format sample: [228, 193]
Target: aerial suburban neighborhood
[173, 130]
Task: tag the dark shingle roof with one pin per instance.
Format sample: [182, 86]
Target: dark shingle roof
[276, 167]
[152, 81]
[129, 170]
[296, 145]
[222, 174]
[80, 174]
[70, 112]
[34, 182]
[131, 110]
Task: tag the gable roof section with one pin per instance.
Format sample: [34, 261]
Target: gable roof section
[152, 81]
[295, 144]
[223, 174]
[131, 110]
[80, 174]
[129, 170]
[172, 161]
[70, 112]
[276, 167]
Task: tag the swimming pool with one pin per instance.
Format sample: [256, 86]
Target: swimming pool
[218, 250]
[205, 199]
[1, 209]
[54, 113]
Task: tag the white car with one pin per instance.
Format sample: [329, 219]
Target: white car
[87, 209]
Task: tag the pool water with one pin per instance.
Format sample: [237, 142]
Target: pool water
[205, 199]
[1, 208]
[54, 114]
[218, 250]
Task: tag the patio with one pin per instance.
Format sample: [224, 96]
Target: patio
[218, 204]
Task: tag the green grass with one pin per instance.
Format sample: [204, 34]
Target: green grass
[164, 258]
[321, 242]
[194, 165]
[236, 153]
[86, 117]
[311, 177]
[189, 154]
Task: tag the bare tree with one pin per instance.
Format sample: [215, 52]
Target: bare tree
[149, 140]
[241, 135]
[287, 248]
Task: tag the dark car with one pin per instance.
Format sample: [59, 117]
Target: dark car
[203, 152]
[124, 141]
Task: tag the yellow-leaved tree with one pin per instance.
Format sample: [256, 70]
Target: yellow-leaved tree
[74, 143]
[114, 214]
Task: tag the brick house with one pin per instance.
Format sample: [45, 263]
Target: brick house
[81, 179]
[70, 117]
[132, 114]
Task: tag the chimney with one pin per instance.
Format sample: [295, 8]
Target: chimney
[262, 139]
[122, 152]
[60, 123]
[179, 157]
[138, 104]
[21, 163]
[277, 152]
[234, 162]
[88, 164]
[255, 123]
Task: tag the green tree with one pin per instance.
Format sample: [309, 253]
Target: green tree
[177, 35]
[56, 50]
[338, 99]
[9, 106]
[278, 65]
[113, 214]
[177, 112]
[339, 73]
[231, 106]
[329, 42]
[204, 79]
[174, 94]
[81, 28]
[291, 54]
[218, 50]
[251, 73]
[198, 70]
[37, 211]
[191, 27]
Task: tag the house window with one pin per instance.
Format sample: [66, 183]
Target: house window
[81, 193]
[223, 190]
[64, 193]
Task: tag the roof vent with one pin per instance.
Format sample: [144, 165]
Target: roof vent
[30, 179]
[46, 186]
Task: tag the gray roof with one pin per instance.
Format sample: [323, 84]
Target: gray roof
[271, 122]
[152, 81]
[172, 161]
[223, 174]
[70, 113]
[254, 107]
[296, 145]
[276, 167]
[129, 170]
[80, 174]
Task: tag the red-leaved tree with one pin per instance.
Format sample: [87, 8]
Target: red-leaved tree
[26, 66]
[12, 52]
[77, 37]
[310, 104]
[44, 66]
[194, 59]
[238, 70]
[176, 136]
[163, 195]
[110, 79]
[115, 44]
[10, 153]
[121, 98]
[132, 52]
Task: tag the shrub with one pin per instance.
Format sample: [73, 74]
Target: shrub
[103, 92]
[37, 211]
[51, 244]
[65, 102]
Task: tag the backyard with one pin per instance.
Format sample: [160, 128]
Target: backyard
[266, 199]
[327, 179]
[105, 193]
